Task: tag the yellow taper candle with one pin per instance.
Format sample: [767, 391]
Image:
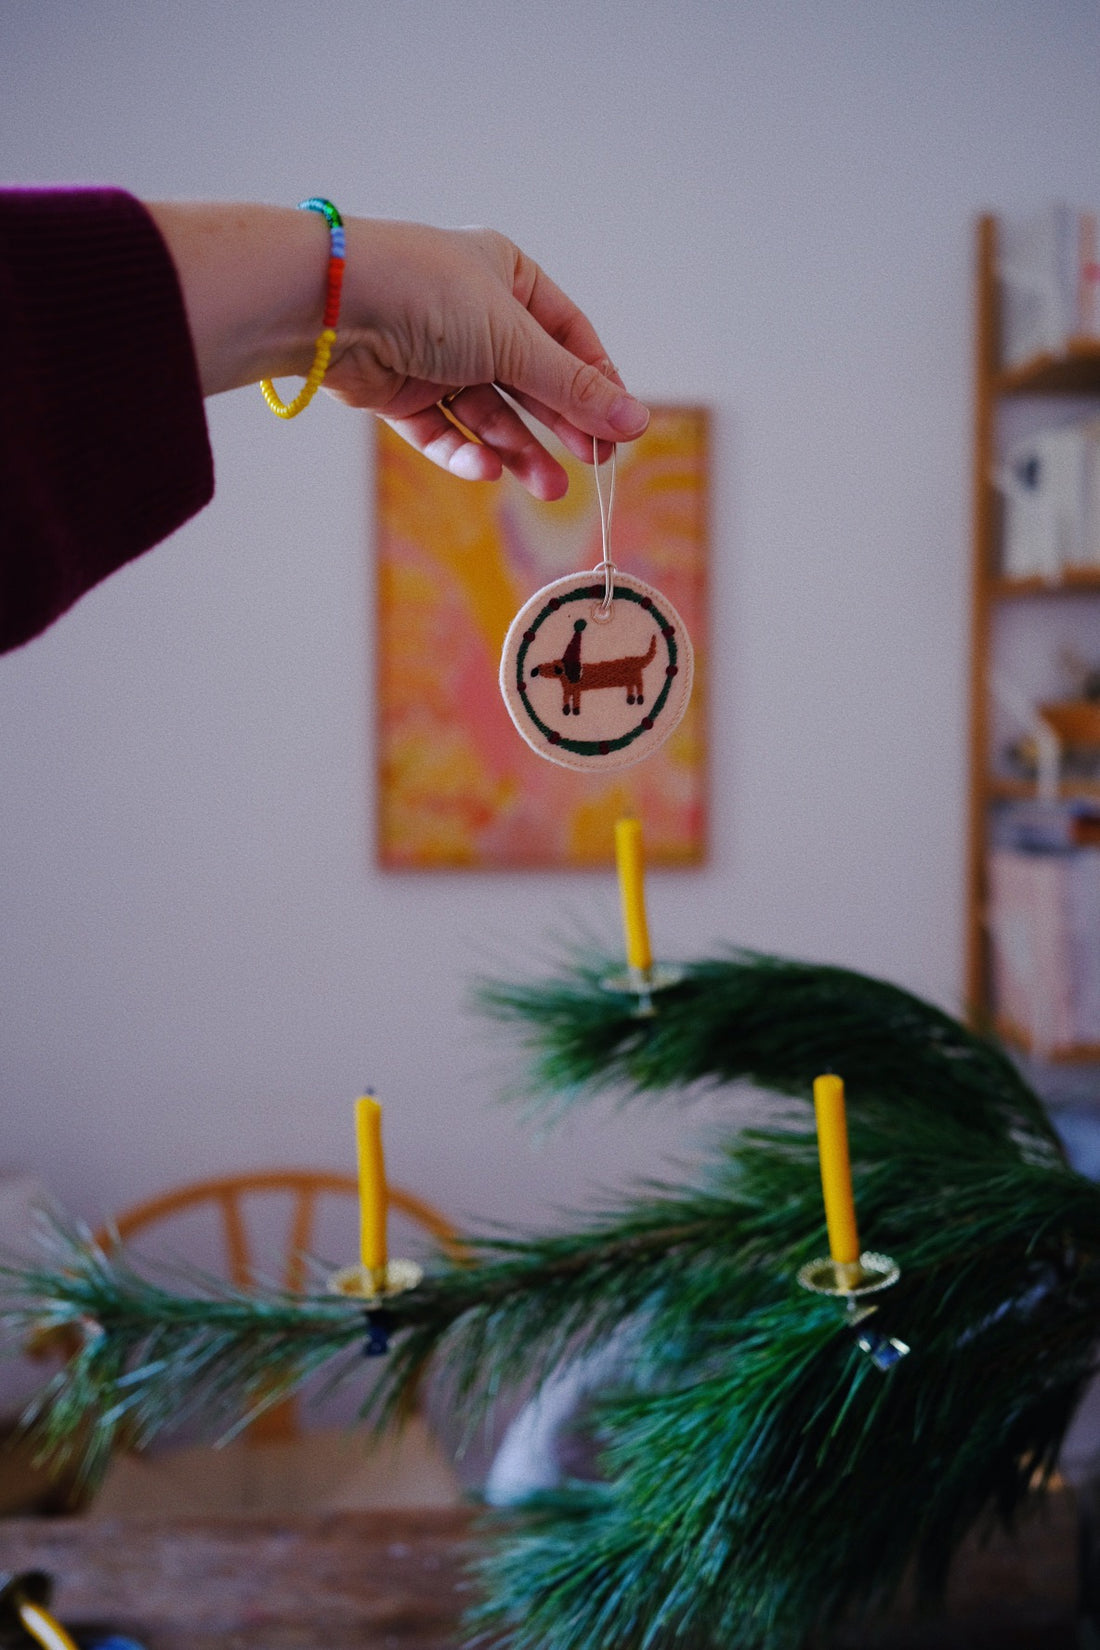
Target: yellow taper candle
[836, 1170]
[41, 1626]
[628, 853]
[372, 1187]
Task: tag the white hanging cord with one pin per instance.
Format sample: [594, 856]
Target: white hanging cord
[606, 566]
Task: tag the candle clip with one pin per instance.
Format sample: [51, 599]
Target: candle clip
[883, 1350]
[641, 983]
[379, 1325]
[374, 1285]
[852, 1281]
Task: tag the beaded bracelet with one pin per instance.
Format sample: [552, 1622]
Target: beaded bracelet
[291, 409]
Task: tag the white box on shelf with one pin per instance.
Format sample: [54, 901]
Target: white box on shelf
[1046, 485]
[1090, 545]
[1036, 267]
[1044, 923]
[1088, 277]
[1083, 913]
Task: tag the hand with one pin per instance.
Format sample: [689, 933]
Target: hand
[428, 316]
[464, 318]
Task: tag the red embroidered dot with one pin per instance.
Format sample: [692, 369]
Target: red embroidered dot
[670, 670]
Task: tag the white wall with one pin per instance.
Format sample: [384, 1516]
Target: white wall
[764, 206]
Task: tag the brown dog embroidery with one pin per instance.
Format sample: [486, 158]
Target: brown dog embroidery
[578, 677]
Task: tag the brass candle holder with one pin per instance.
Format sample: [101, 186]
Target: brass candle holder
[641, 984]
[373, 1286]
[852, 1282]
[865, 1276]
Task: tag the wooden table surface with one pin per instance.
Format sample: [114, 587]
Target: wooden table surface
[336, 1581]
[395, 1581]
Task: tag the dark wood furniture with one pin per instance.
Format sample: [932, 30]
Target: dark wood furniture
[339, 1581]
[396, 1581]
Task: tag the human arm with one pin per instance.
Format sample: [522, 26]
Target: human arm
[117, 318]
[425, 312]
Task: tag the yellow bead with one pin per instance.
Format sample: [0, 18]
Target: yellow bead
[321, 356]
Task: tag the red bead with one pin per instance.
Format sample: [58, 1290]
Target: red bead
[332, 299]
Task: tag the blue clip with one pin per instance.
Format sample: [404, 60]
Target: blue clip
[379, 1324]
[884, 1351]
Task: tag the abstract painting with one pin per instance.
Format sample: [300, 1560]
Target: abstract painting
[456, 786]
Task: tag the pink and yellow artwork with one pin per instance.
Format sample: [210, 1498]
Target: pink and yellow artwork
[457, 787]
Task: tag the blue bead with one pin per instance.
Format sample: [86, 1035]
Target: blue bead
[338, 242]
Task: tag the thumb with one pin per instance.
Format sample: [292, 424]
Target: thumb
[579, 391]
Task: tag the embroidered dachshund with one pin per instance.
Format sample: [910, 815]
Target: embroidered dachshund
[578, 677]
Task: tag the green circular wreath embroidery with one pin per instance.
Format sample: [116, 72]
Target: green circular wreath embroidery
[598, 747]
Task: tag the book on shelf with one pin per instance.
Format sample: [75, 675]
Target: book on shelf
[1050, 484]
[1048, 273]
[1044, 926]
[1039, 826]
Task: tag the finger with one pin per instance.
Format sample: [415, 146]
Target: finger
[587, 399]
[503, 442]
[417, 394]
[561, 319]
[483, 411]
[575, 441]
[433, 434]
[555, 311]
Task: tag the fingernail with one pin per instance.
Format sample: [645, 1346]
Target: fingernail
[627, 416]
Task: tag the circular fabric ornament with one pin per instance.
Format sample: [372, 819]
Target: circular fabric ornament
[596, 676]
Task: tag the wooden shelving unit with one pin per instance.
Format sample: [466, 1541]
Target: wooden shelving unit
[1076, 373]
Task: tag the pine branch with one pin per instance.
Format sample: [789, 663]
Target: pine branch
[718, 1524]
[760, 1475]
[782, 1489]
[142, 1358]
[769, 1021]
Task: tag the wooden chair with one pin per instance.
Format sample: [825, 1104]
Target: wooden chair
[228, 1198]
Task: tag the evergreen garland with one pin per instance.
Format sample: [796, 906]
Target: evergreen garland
[761, 1477]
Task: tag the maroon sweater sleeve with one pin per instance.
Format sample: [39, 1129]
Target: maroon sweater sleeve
[103, 441]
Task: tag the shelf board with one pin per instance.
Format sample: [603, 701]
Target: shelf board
[1077, 372]
[1000, 789]
[1071, 579]
[1078, 1054]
